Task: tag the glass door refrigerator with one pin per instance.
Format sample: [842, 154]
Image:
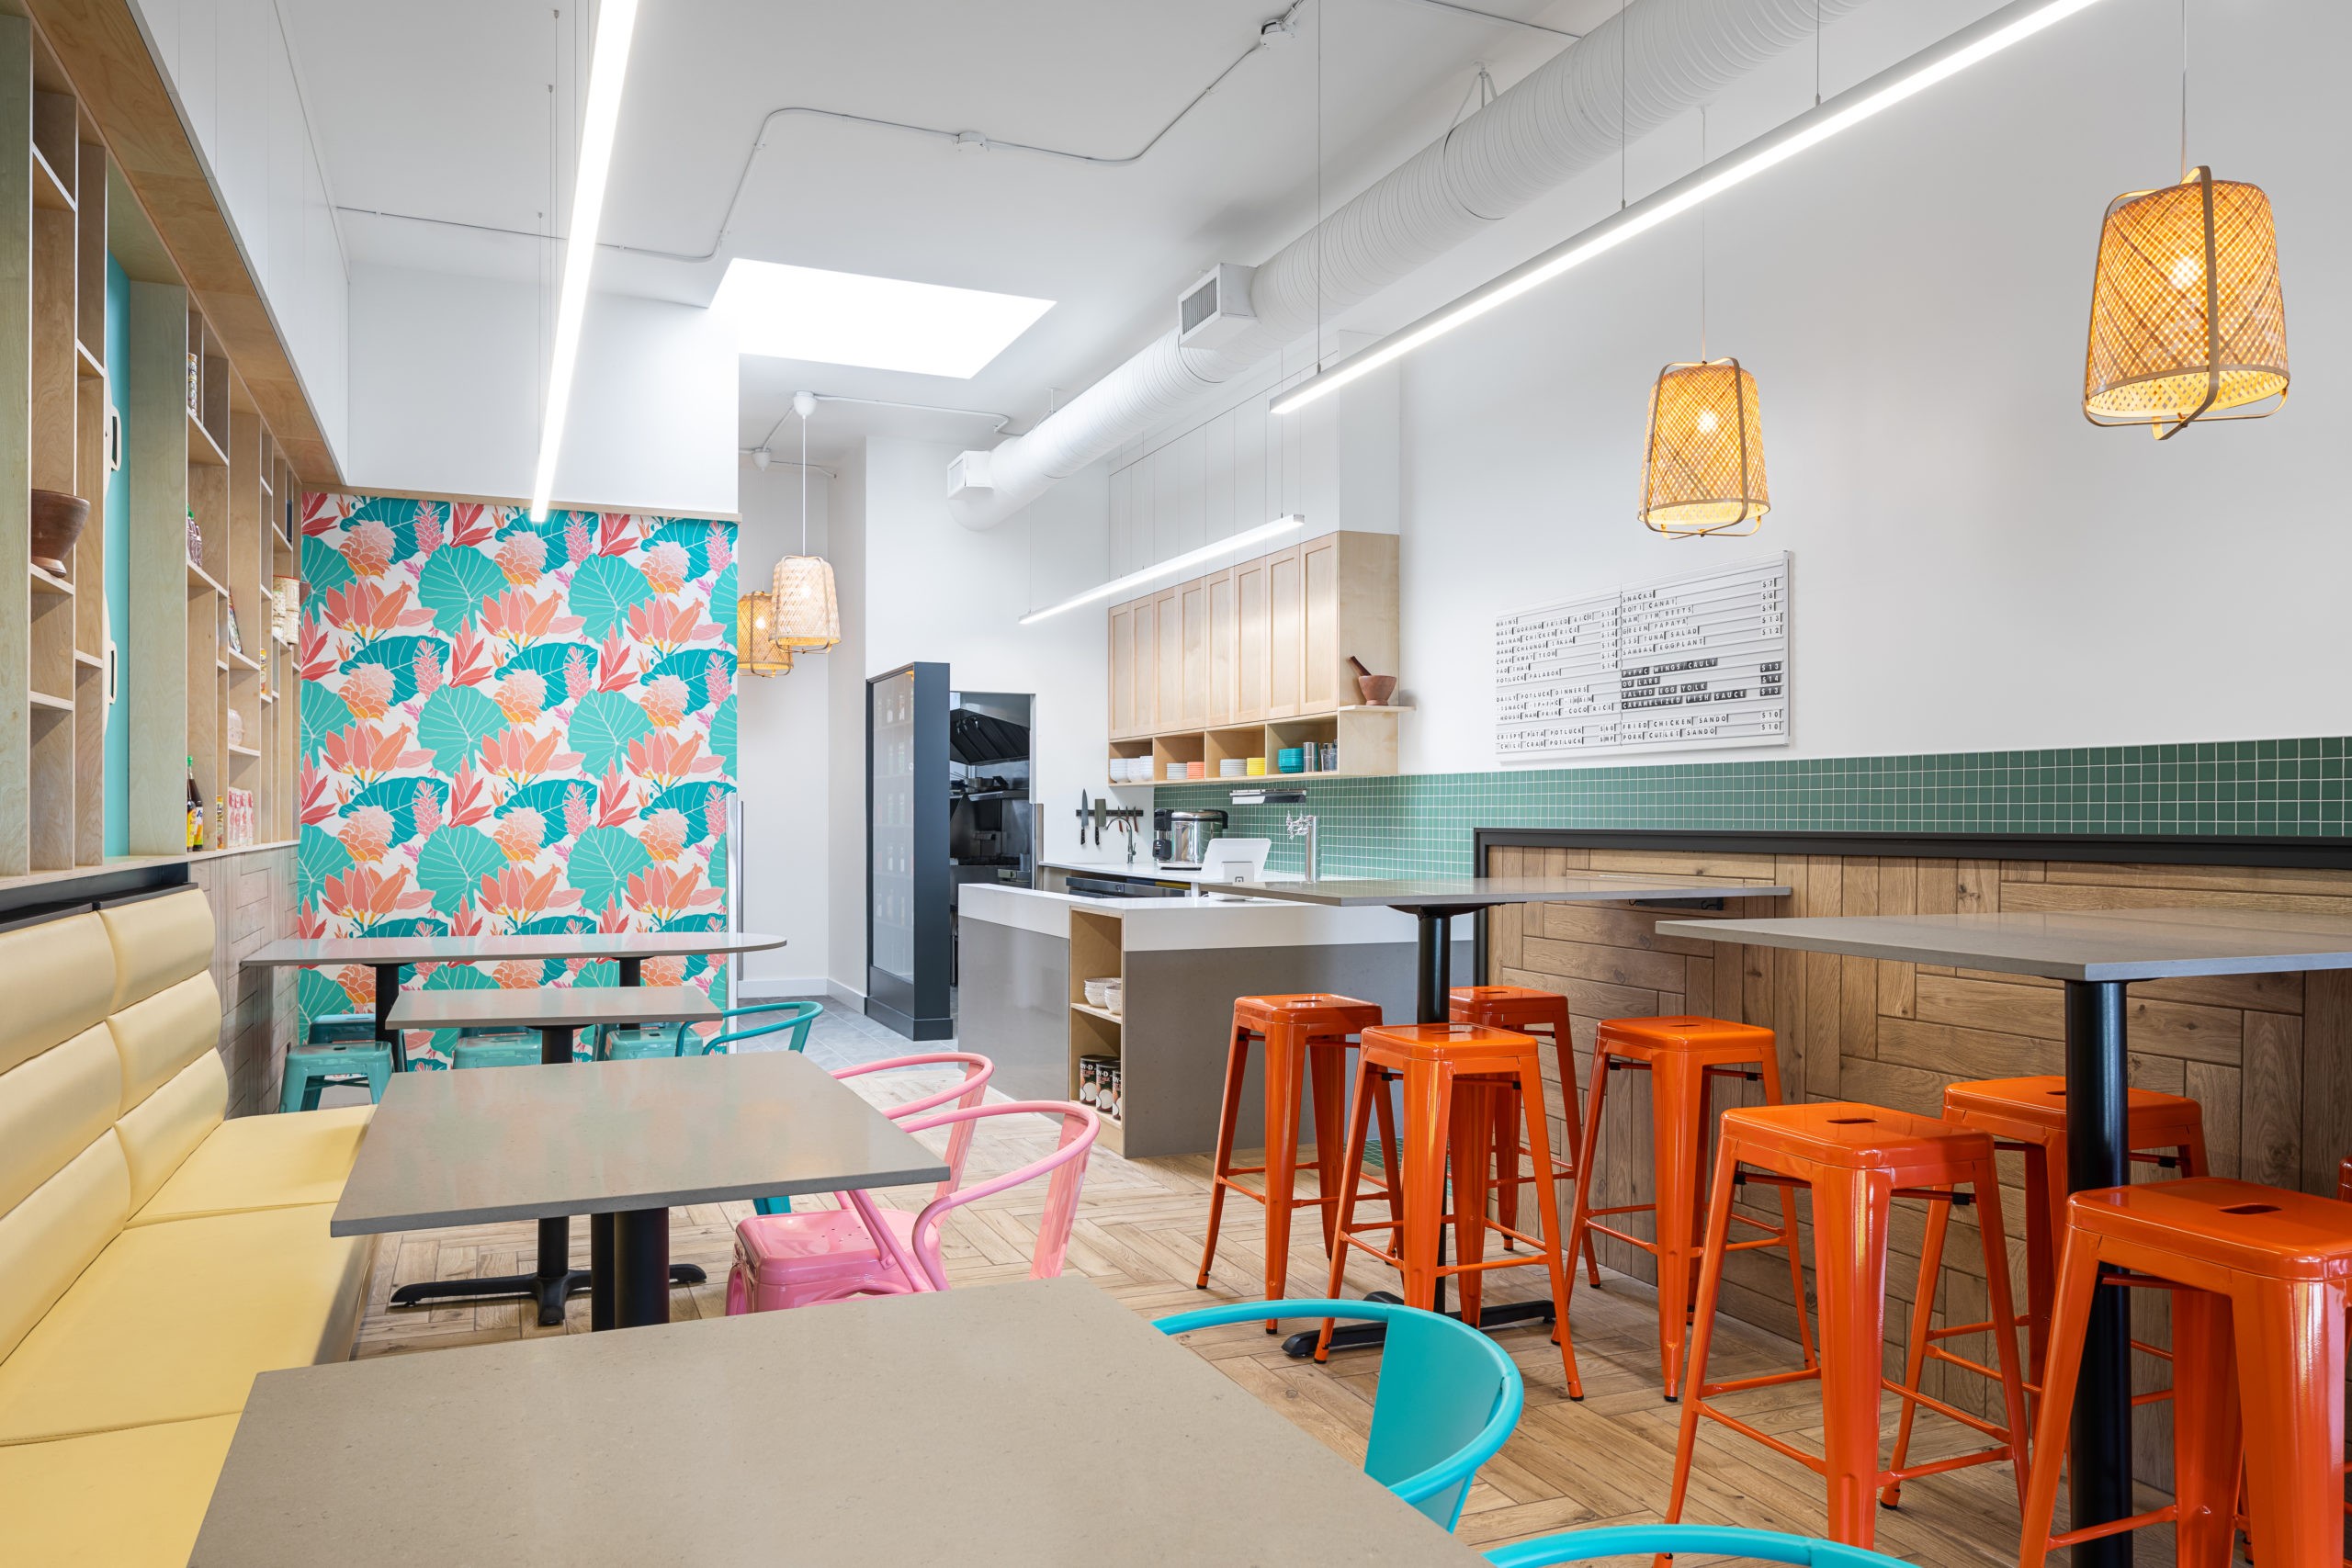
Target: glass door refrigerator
[909, 955]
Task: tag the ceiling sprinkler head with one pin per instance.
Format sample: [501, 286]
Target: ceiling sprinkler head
[803, 403]
[760, 456]
[971, 141]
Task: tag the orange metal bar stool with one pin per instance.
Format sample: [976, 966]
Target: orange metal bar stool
[1307, 1038]
[2259, 1276]
[2028, 1116]
[1683, 1056]
[1451, 1073]
[1545, 1014]
[1856, 1159]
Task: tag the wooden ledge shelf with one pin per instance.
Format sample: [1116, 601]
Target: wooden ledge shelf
[268, 697]
[241, 661]
[200, 578]
[86, 364]
[236, 750]
[201, 448]
[48, 582]
[88, 661]
[55, 705]
[1092, 1012]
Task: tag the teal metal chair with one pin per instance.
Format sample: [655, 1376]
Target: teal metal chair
[503, 1048]
[1652, 1540]
[1447, 1402]
[627, 1044]
[343, 1049]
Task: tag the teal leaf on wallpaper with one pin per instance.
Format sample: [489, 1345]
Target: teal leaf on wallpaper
[690, 535]
[323, 567]
[692, 667]
[550, 798]
[558, 531]
[557, 925]
[722, 736]
[317, 994]
[398, 656]
[459, 977]
[324, 714]
[716, 876]
[399, 797]
[603, 591]
[603, 726]
[397, 514]
[598, 971]
[452, 863]
[456, 721]
[722, 597]
[319, 856]
[694, 801]
[547, 658]
[418, 926]
[453, 585]
[600, 864]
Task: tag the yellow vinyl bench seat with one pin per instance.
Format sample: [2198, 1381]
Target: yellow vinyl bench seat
[154, 1257]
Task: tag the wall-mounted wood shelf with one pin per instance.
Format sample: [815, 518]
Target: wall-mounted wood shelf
[46, 582]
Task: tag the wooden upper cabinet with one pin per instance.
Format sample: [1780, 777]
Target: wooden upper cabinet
[1168, 704]
[1285, 641]
[1250, 642]
[1193, 599]
[1145, 666]
[1225, 635]
[1348, 590]
[1123, 672]
[1318, 572]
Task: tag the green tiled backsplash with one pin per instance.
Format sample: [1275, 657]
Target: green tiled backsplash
[1421, 824]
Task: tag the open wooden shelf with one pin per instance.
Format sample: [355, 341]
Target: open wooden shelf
[44, 700]
[238, 659]
[201, 448]
[244, 751]
[1090, 1009]
[203, 579]
[45, 581]
[88, 364]
[49, 191]
[88, 661]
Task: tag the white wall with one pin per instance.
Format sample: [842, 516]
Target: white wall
[784, 722]
[231, 68]
[1976, 566]
[845, 739]
[448, 401]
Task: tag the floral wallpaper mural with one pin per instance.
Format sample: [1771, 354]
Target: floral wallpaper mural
[511, 727]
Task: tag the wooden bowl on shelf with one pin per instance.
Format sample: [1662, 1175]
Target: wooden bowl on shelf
[57, 523]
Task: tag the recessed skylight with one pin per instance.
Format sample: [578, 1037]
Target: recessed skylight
[881, 323]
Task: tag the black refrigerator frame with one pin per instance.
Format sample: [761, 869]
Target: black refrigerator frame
[917, 1007]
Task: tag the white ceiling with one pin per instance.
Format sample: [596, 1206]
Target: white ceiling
[442, 110]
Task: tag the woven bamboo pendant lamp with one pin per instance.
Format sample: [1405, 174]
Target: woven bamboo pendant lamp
[2187, 319]
[1705, 469]
[756, 650]
[806, 613]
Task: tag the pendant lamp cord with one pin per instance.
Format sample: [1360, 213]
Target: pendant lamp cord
[2184, 90]
[804, 484]
[1816, 53]
[1620, 105]
[1703, 240]
[1322, 14]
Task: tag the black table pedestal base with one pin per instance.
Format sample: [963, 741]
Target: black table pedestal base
[641, 1274]
[2099, 1462]
[1367, 1335]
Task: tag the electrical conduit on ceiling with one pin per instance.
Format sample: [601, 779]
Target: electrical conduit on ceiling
[1561, 120]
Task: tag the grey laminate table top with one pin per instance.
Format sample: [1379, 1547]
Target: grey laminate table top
[1474, 892]
[533, 1143]
[2100, 944]
[551, 1007]
[297, 952]
[1029, 1425]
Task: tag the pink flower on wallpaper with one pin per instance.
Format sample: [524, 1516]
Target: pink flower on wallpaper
[521, 833]
[663, 893]
[366, 833]
[714, 816]
[516, 974]
[426, 668]
[669, 759]
[516, 755]
[428, 528]
[468, 658]
[522, 695]
[665, 701]
[664, 972]
[522, 556]
[717, 683]
[521, 620]
[668, 626]
[578, 814]
[367, 549]
[579, 680]
[612, 920]
[665, 567]
[516, 896]
[363, 898]
[322, 512]
[427, 809]
[366, 612]
[367, 756]
[358, 983]
[721, 554]
[578, 542]
[367, 689]
[664, 834]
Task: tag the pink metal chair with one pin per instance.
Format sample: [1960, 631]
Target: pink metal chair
[864, 1250]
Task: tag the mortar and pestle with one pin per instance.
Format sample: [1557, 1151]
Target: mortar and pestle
[1377, 689]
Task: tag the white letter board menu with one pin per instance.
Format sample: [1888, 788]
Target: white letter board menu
[1695, 660]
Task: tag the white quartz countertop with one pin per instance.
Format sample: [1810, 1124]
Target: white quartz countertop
[1184, 924]
[1145, 870]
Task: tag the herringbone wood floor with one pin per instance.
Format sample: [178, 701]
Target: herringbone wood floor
[1606, 1460]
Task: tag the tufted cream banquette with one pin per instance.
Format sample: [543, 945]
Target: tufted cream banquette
[153, 1256]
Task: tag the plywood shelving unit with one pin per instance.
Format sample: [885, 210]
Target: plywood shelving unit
[63, 205]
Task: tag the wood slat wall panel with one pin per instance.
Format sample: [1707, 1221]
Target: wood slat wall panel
[2267, 1057]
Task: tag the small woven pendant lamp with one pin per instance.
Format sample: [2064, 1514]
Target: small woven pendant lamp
[756, 652]
[2188, 318]
[806, 616]
[1705, 469]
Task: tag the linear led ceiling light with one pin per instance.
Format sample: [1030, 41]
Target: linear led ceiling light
[606, 68]
[2012, 24]
[881, 323]
[1171, 566]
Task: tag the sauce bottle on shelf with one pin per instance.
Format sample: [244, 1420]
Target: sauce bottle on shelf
[194, 810]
